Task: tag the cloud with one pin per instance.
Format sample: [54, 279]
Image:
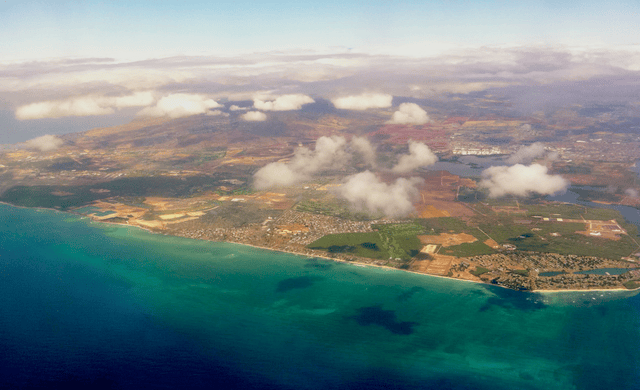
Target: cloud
[276, 175]
[363, 101]
[138, 99]
[254, 116]
[363, 147]
[44, 143]
[283, 103]
[409, 114]
[521, 180]
[419, 156]
[526, 154]
[58, 109]
[82, 106]
[329, 153]
[364, 191]
[217, 113]
[179, 105]
[237, 108]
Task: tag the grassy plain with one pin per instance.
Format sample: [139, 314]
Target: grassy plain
[397, 241]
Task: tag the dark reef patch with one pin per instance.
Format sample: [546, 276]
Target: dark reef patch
[297, 283]
[376, 315]
[319, 264]
[408, 294]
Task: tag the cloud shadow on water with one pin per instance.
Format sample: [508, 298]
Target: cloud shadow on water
[405, 296]
[321, 265]
[376, 315]
[296, 283]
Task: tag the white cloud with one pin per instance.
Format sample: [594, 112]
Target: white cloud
[363, 147]
[44, 143]
[363, 101]
[419, 156]
[237, 108]
[84, 106]
[409, 114]
[283, 103]
[217, 113]
[275, 175]
[364, 191]
[526, 154]
[329, 153]
[521, 180]
[254, 116]
[138, 99]
[179, 105]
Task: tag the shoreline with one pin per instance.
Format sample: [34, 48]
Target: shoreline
[354, 263]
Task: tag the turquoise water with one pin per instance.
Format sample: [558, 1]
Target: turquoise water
[104, 306]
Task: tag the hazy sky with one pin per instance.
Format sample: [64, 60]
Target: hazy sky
[95, 63]
[34, 30]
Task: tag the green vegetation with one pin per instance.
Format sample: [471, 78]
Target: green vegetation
[66, 197]
[360, 244]
[467, 249]
[399, 229]
[444, 225]
[479, 271]
[204, 158]
[397, 241]
[632, 284]
[523, 272]
[520, 230]
[435, 226]
[334, 209]
[571, 211]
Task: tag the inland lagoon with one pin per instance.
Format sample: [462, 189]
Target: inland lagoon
[92, 305]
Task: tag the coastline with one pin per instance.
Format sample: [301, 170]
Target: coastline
[354, 263]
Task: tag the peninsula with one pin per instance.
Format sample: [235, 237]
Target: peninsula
[203, 177]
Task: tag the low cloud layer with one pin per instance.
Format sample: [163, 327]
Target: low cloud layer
[364, 101]
[179, 105]
[329, 153]
[254, 116]
[527, 154]
[82, 106]
[283, 103]
[409, 114]
[521, 180]
[45, 143]
[527, 78]
[419, 156]
[364, 191]
[58, 109]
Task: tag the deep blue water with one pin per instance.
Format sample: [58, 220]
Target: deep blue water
[88, 305]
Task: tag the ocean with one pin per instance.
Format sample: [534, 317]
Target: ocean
[91, 305]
